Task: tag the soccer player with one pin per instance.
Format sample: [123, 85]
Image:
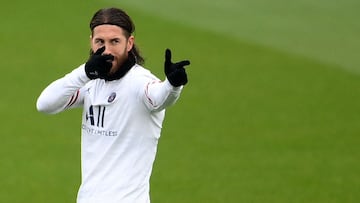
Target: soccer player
[123, 110]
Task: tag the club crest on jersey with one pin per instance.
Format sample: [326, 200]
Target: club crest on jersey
[112, 97]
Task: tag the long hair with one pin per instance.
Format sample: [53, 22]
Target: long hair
[116, 16]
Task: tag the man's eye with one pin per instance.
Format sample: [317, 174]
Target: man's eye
[115, 41]
[99, 42]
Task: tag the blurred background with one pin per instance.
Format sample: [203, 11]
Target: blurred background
[270, 113]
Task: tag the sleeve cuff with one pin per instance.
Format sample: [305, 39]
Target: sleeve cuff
[172, 88]
[81, 74]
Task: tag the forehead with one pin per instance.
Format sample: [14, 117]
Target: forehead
[108, 31]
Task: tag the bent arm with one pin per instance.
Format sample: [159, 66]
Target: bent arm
[159, 95]
[63, 93]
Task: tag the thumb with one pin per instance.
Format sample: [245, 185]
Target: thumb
[181, 64]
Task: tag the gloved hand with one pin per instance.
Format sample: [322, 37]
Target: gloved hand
[175, 72]
[98, 66]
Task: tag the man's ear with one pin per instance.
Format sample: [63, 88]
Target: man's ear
[90, 40]
[130, 43]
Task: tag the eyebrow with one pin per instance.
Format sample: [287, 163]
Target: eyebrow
[111, 39]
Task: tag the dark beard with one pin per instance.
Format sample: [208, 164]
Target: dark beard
[123, 69]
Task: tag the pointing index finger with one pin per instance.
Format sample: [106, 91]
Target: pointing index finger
[167, 56]
[100, 51]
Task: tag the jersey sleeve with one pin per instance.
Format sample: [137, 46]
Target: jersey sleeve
[160, 94]
[64, 93]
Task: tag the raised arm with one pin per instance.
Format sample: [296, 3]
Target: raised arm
[63, 93]
[67, 92]
[159, 95]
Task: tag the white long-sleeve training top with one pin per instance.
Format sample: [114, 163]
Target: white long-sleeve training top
[121, 125]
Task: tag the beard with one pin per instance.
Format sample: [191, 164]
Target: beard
[118, 62]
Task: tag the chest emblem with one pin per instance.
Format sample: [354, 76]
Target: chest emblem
[112, 97]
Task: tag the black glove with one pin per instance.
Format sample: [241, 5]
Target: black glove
[98, 66]
[175, 72]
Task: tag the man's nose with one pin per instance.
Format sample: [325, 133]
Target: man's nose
[106, 51]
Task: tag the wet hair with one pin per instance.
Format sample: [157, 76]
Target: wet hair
[118, 17]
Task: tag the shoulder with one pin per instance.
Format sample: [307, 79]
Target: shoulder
[142, 72]
[91, 83]
[138, 78]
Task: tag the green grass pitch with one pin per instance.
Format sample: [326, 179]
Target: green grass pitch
[270, 113]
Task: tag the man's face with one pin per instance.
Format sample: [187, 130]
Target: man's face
[115, 42]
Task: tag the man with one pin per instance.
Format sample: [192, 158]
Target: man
[123, 110]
